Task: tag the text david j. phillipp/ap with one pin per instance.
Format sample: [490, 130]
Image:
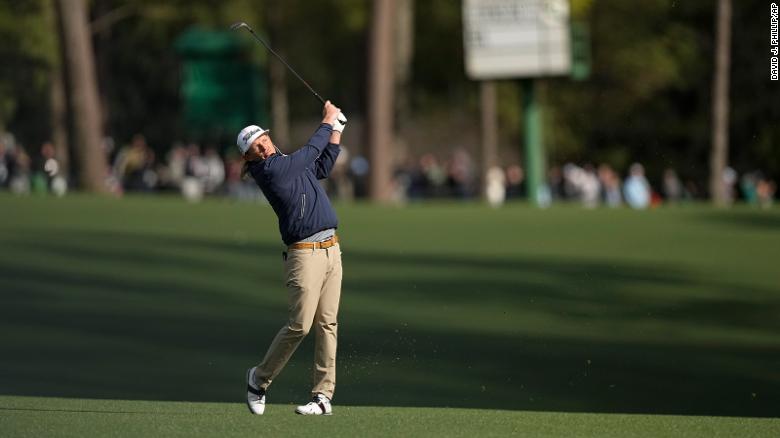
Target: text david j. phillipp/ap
[773, 43]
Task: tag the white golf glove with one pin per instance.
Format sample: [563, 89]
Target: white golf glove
[340, 123]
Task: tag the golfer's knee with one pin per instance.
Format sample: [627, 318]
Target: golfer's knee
[297, 330]
[328, 326]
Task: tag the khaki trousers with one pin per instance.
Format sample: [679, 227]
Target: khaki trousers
[314, 289]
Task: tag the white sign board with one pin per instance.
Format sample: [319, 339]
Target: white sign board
[516, 38]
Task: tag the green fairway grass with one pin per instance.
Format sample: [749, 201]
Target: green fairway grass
[517, 317]
[35, 417]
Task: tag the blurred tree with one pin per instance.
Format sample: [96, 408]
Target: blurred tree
[61, 135]
[381, 107]
[107, 14]
[650, 96]
[139, 74]
[720, 103]
[277, 72]
[83, 85]
[326, 42]
[489, 131]
[643, 100]
[404, 52]
[754, 113]
[439, 80]
[28, 49]
[330, 56]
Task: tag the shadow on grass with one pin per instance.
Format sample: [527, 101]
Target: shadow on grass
[144, 316]
[87, 411]
[756, 219]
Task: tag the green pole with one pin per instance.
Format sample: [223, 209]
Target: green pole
[533, 142]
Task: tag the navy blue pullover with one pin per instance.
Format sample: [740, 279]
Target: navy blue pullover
[289, 182]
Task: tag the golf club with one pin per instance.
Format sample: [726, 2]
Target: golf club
[241, 24]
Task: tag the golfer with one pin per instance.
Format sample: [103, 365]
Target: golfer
[312, 261]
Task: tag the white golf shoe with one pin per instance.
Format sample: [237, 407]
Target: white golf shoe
[255, 396]
[319, 405]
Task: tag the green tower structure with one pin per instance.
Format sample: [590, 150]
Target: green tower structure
[221, 89]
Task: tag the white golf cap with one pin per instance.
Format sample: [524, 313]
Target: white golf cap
[247, 136]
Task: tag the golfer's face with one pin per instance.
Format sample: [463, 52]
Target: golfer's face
[261, 148]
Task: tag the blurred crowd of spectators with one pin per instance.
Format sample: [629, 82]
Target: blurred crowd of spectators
[594, 186]
[196, 172]
[458, 177]
[20, 173]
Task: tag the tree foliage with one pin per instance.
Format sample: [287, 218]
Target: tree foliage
[28, 51]
[647, 99]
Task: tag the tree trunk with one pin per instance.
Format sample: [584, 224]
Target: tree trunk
[80, 63]
[404, 51]
[380, 107]
[720, 105]
[278, 77]
[102, 52]
[489, 129]
[58, 97]
[59, 120]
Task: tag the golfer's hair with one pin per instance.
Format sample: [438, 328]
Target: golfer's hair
[245, 171]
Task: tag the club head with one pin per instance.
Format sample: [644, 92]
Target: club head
[239, 25]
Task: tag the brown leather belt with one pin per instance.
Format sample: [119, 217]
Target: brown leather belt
[315, 245]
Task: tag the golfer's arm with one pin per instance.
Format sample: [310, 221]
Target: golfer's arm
[327, 159]
[299, 160]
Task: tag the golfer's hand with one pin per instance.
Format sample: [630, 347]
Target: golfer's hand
[340, 123]
[329, 113]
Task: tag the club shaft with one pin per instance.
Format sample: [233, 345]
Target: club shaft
[285, 64]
